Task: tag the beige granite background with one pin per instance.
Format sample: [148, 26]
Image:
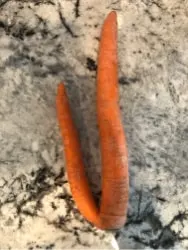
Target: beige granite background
[45, 41]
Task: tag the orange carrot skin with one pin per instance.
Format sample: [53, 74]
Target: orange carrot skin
[115, 181]
[74, 163]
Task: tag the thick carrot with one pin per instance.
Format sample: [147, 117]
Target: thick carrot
[115, 181]
[74, 163]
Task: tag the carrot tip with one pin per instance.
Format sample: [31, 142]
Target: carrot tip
[61, 84]
[61, 88]
[112, 15]
[113, 12]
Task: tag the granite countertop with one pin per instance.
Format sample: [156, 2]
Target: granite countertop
[45, 41]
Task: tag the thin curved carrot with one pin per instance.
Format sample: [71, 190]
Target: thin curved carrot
[115, 182]
[74, 163]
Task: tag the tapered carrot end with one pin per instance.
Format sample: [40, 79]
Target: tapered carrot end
[61, 89]
[61, 98]
[107, 73]
[111, 17]
[108, 39]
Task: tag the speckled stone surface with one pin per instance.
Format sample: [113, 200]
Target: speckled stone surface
[43, 42]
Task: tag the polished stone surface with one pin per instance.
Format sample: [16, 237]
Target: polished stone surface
[44, 42]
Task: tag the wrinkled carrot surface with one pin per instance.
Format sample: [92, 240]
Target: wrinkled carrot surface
[112, 139]
[115, 182]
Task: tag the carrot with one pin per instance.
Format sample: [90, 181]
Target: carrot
[74, 163]
[115, 182]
